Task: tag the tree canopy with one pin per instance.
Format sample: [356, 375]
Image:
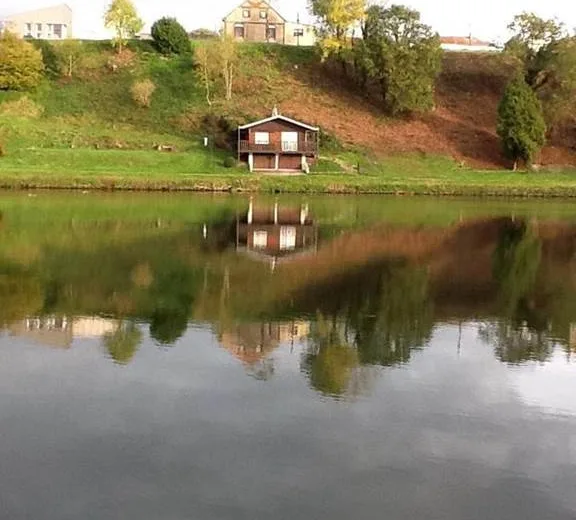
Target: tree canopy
[122, 17]
[403, 55]
[170, 37]
[21, 64]
[521, 124]
[546, 53]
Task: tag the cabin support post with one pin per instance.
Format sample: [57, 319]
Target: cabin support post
[276, 213]
[277, 162]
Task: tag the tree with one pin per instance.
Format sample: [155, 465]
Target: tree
[205, 58]
[521, 124]
[21, 64]
[336, 17]
[532, 44]
[403, 55]
[123, 19]
[170, 37]
[227, 50]
[69, 53]
[547, 57]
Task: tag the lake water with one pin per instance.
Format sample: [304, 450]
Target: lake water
[185, 357]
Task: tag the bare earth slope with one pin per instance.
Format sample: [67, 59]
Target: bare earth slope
[462, 126]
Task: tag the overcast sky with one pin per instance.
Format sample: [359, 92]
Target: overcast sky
[487, 18]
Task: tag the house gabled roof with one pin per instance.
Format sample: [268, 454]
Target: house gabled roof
[281, 118]
[255, 4]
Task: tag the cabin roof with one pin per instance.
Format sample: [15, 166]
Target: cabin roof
[255, 4]
[281, 118]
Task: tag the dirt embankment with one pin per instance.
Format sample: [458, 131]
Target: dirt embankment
[462, 126]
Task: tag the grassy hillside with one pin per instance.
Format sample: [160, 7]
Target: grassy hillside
[90, 123]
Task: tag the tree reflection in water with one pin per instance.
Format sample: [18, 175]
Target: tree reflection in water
[354, 306]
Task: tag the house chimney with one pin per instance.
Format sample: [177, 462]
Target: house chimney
[275, 111]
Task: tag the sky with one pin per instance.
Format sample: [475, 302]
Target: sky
[484, 19]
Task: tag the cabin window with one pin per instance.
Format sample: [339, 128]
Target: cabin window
[246, 13]
[298, 33]
[290, 141]
[239, 30]
[261, 138]
[287, 238]
[260, 239]
[271, 32]
[263, 15]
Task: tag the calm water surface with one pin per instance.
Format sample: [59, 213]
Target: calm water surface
[186, 357]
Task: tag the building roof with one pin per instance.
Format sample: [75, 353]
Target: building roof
[276, 117]
[35, 7]
[463, 40]
[254, 4]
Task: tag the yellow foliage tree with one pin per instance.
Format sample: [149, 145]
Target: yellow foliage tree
[122, 17]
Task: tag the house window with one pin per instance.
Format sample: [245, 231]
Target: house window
[58, 30]
[261, 138]
[287, 238]
[290, 141]
[239, 30]
[29, 29]
[271, 32]
[39, 27]
[260, 239]
[298, 33]
[263, 15]
[246, 13]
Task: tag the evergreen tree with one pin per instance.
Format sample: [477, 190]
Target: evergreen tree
[170, 37]
[521, 124]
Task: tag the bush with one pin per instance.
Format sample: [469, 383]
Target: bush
[49, 57]
[221, 130]
[20, 63]
[521, 124]
[142, 92]
[23, 107]
[229, 162]
[170, 37]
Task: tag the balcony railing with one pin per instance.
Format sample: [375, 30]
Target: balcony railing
[286, 147]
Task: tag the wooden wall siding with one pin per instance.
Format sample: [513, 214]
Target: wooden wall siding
[275, 129]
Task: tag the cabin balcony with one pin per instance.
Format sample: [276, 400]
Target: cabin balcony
[284, 148]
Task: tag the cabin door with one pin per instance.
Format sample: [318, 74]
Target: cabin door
[289, 141]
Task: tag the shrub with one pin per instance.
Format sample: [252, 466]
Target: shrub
[49, 57]
[229, 162]
[20, 63]
[142, 92]
[521, 124]
[23, 107]
[170, 37]
[220, 129]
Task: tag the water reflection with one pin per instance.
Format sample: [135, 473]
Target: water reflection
[351, 294]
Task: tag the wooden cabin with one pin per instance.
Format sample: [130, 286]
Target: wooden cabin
[278, 143]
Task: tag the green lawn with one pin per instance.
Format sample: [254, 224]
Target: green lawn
[202, 170]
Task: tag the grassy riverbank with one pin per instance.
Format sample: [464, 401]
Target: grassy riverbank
[142, 170]
[150, 170]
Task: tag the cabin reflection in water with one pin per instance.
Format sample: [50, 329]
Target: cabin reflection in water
[276, 233]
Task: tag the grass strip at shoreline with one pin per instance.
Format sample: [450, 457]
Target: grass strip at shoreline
[84, 169]
[471, 184]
